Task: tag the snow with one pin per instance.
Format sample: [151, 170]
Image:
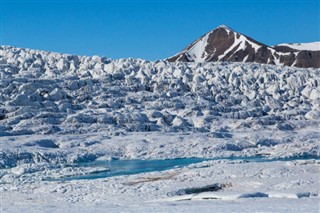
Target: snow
[228, 29]
[312, 46]
[249, 187]
[197, 53]
[58, 111]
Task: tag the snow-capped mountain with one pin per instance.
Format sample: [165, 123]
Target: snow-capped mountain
[225, 44]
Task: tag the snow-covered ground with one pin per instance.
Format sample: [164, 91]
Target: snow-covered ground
[244, 187]
[312, 46]
[58, 110]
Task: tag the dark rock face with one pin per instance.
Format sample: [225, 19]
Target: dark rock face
[224, 44]
[308, 59]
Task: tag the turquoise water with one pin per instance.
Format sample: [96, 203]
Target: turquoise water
[129, 167]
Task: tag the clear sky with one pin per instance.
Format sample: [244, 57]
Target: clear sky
[150, 29]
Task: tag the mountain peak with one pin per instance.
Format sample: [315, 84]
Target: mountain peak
[226, 44]
[224, 27]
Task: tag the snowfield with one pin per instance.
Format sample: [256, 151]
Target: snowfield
[60, 111]
[312, 46]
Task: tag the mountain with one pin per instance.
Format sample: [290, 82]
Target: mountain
[225, 44]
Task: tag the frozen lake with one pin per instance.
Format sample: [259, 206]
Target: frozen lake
[137, 166]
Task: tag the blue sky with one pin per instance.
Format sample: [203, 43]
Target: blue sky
[150, 29]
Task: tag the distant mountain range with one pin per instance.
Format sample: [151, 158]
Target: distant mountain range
[225, 44]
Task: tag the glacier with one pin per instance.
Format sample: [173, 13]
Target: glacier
[59, 110]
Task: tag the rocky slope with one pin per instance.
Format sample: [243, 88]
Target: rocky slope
[225, 44]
